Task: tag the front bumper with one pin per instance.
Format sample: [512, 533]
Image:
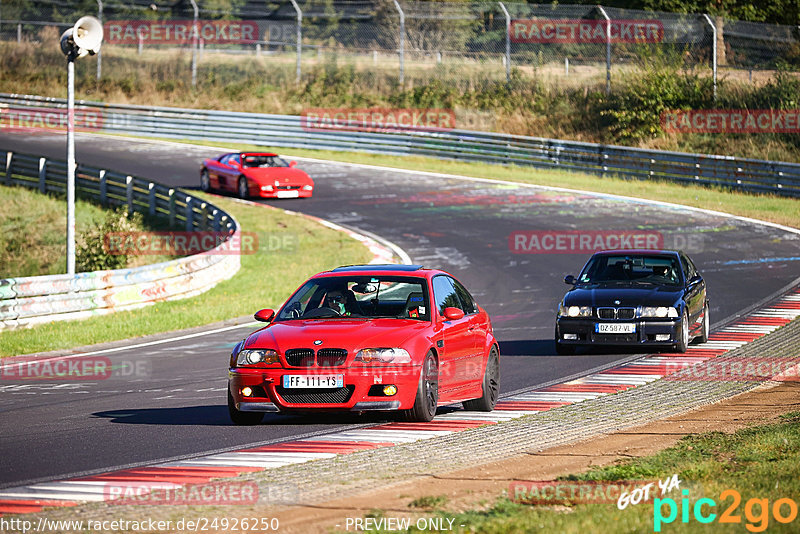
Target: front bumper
[583, 331]
[362, 389]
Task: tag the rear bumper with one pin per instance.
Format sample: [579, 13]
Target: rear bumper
[577, 331]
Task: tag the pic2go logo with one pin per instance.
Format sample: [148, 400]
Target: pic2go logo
[756, 511]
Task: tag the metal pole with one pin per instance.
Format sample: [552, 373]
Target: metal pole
[402, 49]
[99, 52]
[194, 42]
[70, 166]
[508, 41]
[608, 48]
[299, 44]
[714, 53]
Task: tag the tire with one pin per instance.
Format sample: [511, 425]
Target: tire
[427, 392]
[491, 386]
[705, 330]
[242, 189]
[242, 418]
[205, 181]
[683, 339]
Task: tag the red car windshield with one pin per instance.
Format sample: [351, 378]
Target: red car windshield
[264, 161]
[358, 297]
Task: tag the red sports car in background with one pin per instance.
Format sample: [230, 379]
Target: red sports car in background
[257, 174]
[367, 337]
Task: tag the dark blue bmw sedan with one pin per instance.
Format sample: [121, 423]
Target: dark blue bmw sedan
[634, 297]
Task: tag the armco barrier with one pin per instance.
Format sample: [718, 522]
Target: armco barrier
[750, 175]
[39, 299]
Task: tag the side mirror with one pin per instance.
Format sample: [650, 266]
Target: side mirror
[570, 280]
[264, 315]
[292, 164]
[453, 314]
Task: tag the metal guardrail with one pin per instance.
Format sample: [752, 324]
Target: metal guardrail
[751, 175]
[38, 299]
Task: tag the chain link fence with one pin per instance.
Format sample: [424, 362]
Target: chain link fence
[413, 40]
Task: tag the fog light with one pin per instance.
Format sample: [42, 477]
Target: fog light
[247, 391]
[662, 337]
[389, 390]
[570, 336]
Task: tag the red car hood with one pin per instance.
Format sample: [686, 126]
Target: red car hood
[284, 175]
[350, 334]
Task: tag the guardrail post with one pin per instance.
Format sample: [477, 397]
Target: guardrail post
[151, 198]
[129, 193]
[9, 158]
[216, 224]
[608, 48]
[171, 208]
[103, 188]
[189, 214]
[204, 216]
[42, 175]
[508, 41]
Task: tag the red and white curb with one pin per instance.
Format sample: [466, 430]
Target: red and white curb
[32, 498]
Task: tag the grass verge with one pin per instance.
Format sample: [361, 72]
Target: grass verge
[291, 248]
[761, 464]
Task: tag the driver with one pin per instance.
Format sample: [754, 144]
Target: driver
[335, 300]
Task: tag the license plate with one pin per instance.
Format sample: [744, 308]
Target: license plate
[288, 194]
[615, 328]
[313, 381]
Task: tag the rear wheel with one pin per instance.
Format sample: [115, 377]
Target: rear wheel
[427, 392]
[244, 192]
[683, 334]
[205, 181]
[491, 386]
[242, 418]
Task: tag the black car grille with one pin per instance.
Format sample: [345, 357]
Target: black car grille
[300, 357]
[316, 396]
[616, 313]
[331, 357]
[615, 338]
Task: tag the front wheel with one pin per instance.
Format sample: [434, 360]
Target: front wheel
[683, 335]
[491, 386]
[205, 181]
[244, 191]
[427, 392]
[706, 330]
[242, 418]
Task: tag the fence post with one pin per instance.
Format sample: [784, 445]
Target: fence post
[508, 41]
[402, 48]
[215, 225]
[19, 33]
[713, 52]
[194, 42]
[43, 175]
[129, 193]
[103, 188]
[299, 43]
[99, 52]
[171, 208]
[608, 48]
[151, 199]
[203, 216]
[189, 212]
[9, 157]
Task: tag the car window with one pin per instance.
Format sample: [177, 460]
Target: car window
[233, 159]
[467, 301]
[691, 271]
[445, 294]
[224, 159]
[630, 268]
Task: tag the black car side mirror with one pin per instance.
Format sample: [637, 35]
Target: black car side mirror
[569, 279]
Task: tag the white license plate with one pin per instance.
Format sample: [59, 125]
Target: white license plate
[616, 328]
[313, 381]
[293, 193]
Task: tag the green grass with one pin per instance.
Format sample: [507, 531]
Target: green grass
[761, 462]
[770, 208]
[265, 280]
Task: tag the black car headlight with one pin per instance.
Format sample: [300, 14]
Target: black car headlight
[658, 311]
[574, 311]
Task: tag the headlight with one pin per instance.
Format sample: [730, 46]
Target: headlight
[660, 311]
[256, 356]
[575, 311]
[383, 355]
[266, 188]
[308, 187]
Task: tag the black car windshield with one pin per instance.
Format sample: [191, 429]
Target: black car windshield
[358, 297]
[264, 161]
[632, 268]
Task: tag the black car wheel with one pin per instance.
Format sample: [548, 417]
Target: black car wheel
[683, 334]
[242, 418]
[205, 181]
[491, 386]
[244, 192]
[427, 392]
[706, 329]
